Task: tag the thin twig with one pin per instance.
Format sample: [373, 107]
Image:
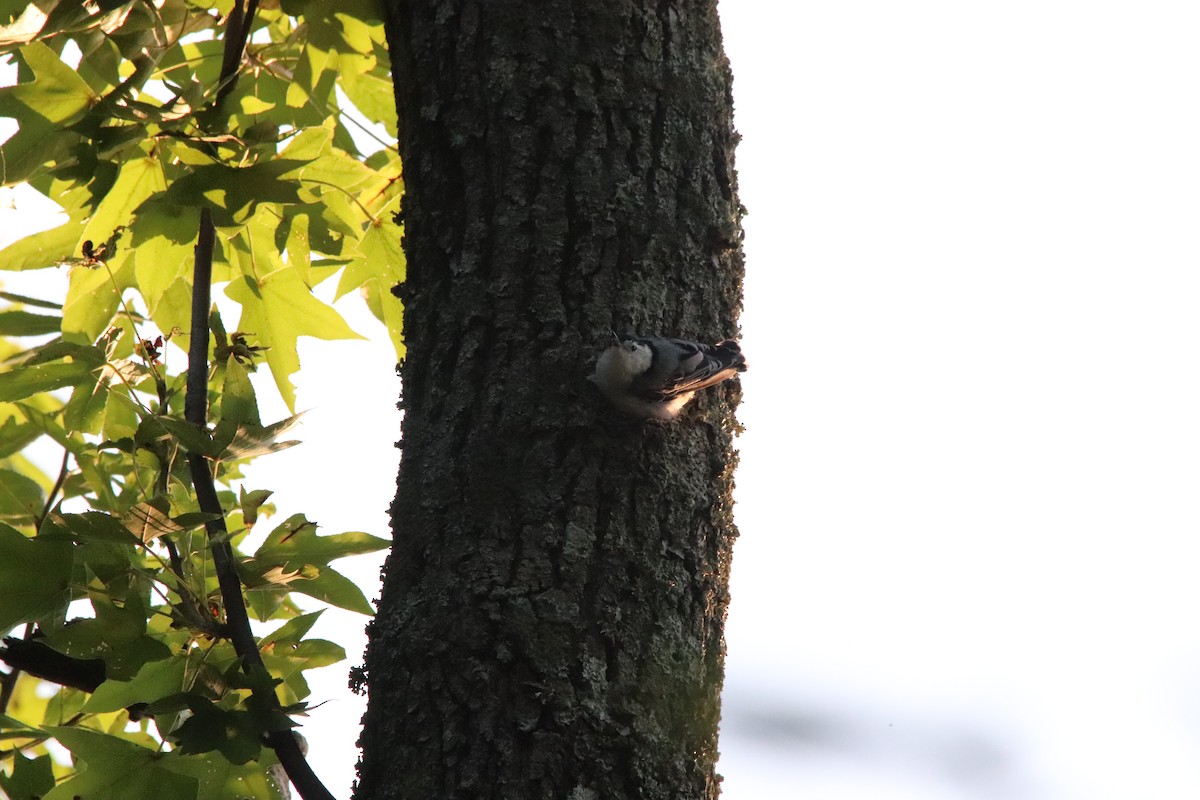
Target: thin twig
[173, 556]
[58, 484]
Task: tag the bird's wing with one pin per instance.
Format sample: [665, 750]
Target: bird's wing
[703, 365]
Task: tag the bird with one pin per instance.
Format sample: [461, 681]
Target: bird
[654, 378]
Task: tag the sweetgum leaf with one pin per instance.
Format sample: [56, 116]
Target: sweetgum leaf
[154, 681]
[30, 777]
[278, 309]
[232, 733]
[24, 380]
[44, 249]
[117, 769]
[36, 576]
[23, 323]
[20, 496]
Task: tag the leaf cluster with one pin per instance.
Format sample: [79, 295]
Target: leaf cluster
[105, 565]
[128, 142]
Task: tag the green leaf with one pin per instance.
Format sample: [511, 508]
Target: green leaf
[173, 311]
[382, 303]
[23, 323]
[382, 259]
[95, 526]
[93, 296]
[83, 411]
[251, 501]
[106, 555]
[118, 631]
[305, 547]
[234, 193]
[16, 436]
[53, 351]
[191, 437]
[138, 179]
[116, 769]
[194, 519]
[24, 381]
[374, 96]
[30, 301]
[120, 416]
[163, 240]
[43, 108]
[334, 588]
[278, 309]
[42, 250]
[380, 267]
[20, 497]
[331, 169]
[264, 600]
[299, 251]
[154, 681]
[30, 777]
[238, 402]
[56, 94]
[292, 631]
[220, 779]
[293, 555]
[290, 662]
[232, 733]
[35, 574]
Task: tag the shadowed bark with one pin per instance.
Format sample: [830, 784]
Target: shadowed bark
[552, 611]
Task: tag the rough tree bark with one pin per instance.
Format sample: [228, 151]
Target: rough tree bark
[551, 618]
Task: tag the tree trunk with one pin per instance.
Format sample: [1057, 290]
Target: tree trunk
[552, 611]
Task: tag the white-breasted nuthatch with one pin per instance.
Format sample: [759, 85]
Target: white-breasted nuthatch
[655, 378]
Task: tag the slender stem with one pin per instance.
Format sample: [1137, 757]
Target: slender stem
[54, 490]
[173, 556]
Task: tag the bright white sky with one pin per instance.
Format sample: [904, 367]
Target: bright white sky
[968, 486]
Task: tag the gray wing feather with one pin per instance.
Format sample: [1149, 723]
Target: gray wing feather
[701, 365]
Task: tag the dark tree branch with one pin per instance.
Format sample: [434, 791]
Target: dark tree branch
[285, 743]
[31, 656]
[8, 683]
[237, 34]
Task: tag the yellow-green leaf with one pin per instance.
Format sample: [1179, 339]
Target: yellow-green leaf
[139, 179]
[56, 94]
[276, 311]
[382, 258]
[93, 296]
[43, 249]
